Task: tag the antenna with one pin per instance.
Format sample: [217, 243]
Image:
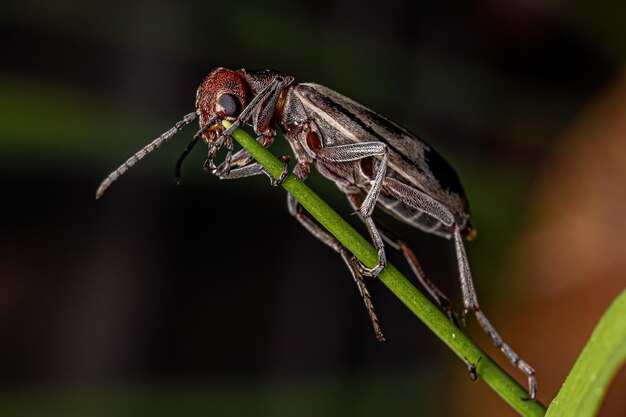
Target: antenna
[106, 183]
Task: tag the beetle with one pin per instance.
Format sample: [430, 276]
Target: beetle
[362, 152]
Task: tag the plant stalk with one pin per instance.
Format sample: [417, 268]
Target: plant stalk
[502, 383]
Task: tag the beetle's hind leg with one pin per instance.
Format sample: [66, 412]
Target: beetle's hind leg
[423, 202]
[442, 300]
[470, 300]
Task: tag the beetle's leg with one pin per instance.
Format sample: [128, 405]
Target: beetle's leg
[365, 294]
[242, 157]
[354, 152]
[295, 209]
[209, 163]
[264, 104]
[241, 160]
[470, 300]
[272, 93]
[214, 147]
[423, 202]
[283, 175]
[249, 170]
[261, 123]
[256, 169]
[224, 171]
[471, 367]
[442, 300]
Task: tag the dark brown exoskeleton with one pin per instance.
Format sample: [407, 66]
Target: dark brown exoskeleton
[361, 151]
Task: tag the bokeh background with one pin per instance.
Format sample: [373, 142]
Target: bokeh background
[207, 298]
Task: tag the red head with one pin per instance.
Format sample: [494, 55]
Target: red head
[223, 94]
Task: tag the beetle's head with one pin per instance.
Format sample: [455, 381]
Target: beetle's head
[221, 96]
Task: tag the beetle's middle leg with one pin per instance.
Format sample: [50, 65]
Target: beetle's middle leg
[355, 152]
[442, 300]
[296, 210]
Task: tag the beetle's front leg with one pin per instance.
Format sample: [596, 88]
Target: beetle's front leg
[355, 152]
[229, 155]
[261, 108]
[209, 163]
[264, 103]
[242, 158]
[256, 169]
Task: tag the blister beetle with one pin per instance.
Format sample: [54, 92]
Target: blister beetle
[361, 151]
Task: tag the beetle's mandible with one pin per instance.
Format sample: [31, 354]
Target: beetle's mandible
[364, 153]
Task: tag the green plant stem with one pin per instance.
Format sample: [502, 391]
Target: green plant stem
[587, 383]
[428, 313]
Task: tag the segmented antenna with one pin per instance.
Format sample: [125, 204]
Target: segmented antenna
[106, 183]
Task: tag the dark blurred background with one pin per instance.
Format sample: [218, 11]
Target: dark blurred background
[207, 298]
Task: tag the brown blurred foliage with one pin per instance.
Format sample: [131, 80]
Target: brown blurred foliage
[571, 260]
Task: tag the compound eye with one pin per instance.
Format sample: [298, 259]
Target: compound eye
[230, 104]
